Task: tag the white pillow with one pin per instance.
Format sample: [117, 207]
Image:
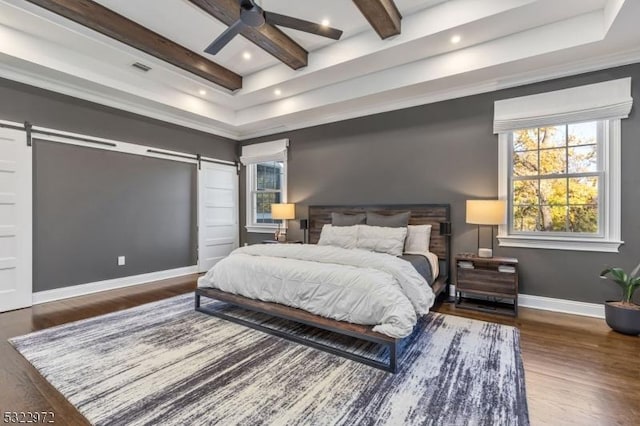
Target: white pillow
[381, 239]
[339, 236]
[418, 239]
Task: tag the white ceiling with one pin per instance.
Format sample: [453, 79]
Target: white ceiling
[195, 29]
[503, 43]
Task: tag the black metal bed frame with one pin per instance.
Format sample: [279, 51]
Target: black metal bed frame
[439, 286]
[391, 343]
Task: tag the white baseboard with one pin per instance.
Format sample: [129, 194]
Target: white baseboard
[561, 305]
[594, 310]
[524, 300]
[98, 286]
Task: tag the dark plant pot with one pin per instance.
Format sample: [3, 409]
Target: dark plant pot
[622, 320]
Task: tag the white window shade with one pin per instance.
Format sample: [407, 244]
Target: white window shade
[601, 101]
[264, 152]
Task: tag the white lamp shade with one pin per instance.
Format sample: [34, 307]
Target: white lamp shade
[283, 211]
[486, 212]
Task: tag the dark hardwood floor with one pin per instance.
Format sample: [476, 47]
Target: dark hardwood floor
[577, 370]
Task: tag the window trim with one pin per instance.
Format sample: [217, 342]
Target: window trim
[610, 240]
[263, 228]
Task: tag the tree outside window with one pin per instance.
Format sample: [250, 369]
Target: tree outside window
[555, 179]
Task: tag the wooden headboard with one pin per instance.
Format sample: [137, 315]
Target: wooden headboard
[421, 214]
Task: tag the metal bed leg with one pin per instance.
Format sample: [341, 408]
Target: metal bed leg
[393, 357]
[391, 366]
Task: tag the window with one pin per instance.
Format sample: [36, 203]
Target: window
[559, 157]
[266, 167]
[266, 187]
[556, 176]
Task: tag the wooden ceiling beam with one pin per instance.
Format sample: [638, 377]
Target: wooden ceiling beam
[267, 37]
[105, 21]
[383, 15]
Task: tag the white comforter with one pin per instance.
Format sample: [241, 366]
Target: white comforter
[350, 285]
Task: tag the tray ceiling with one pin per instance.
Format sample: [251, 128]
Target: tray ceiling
[501, 43]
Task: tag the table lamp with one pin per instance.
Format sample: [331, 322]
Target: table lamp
[486, 213]
[282, 212]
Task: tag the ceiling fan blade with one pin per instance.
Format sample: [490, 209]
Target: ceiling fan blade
[224, 38]
[302, 25]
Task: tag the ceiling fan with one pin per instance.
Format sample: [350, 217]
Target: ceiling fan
[252, 15]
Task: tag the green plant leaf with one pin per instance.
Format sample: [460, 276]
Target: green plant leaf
[628, 283]
[620, 275]
[604, 273]
[616, 275]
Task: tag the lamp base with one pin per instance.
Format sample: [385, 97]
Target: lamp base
[485, 253]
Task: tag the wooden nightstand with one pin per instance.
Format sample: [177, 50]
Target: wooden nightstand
[495, 279]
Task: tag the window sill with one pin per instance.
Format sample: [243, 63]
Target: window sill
[264, 229]
[572, 244]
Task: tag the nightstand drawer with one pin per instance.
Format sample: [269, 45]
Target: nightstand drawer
[486, 281]
[479, 283]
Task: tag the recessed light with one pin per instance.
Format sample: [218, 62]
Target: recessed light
[202, 92]
[246, 56]
[325, 23]
[456, 39]
[277, 92]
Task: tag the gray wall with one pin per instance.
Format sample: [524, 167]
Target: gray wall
[91, 206]
[446, 153]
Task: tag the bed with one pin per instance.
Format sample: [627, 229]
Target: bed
[359, 293]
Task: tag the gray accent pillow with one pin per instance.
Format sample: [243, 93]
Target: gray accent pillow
[341, 219]
[399, 220]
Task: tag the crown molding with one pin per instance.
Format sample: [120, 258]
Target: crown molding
[144, 108]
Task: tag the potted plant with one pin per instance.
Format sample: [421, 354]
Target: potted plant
[623, 316]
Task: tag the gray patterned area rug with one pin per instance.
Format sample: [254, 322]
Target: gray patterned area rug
[164, 363]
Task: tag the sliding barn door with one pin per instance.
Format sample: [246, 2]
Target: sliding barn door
[218, 227]
[15, 220]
